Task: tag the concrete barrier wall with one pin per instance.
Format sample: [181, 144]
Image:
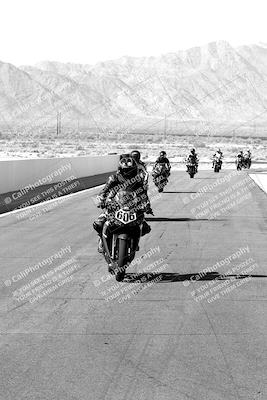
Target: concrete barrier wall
[18, 174]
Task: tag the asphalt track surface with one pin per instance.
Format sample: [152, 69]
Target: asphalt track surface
[161, 342]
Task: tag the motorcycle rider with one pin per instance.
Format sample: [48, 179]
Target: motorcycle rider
[247, 154]
[240, 155]
[126, 177]
[240, 158]
[217, 155]
[247, 158]
[192, 158]
[142, 170]
[163, 160]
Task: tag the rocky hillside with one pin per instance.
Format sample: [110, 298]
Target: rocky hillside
[213, 84]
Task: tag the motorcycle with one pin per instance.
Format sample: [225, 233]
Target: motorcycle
[160, 176]
[239, 163]
[122, 231]
[191, 169]
[217, 164]
[247, 162]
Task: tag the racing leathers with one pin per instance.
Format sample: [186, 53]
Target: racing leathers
[192, 158]
[142, 171]
[163, 161]
[218, 155]
[115, 183]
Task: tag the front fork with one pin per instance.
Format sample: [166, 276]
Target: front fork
[110, 256]
[132, 245]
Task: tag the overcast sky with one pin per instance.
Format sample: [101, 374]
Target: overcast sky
[88, 31]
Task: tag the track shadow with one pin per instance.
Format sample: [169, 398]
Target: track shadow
[216, 177]
[177, 192]
[187, 192]
[174, 277]
[163, 219]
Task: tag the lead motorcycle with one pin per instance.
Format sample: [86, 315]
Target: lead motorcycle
[122, 231]
[160, 176]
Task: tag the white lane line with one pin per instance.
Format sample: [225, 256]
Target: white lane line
[43, 203]
[260, 180]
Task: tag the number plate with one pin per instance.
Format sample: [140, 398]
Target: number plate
[125, 216]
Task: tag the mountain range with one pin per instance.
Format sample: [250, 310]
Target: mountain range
[213, 85]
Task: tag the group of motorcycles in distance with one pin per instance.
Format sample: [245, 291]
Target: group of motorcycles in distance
[243, 160]
[124, 200]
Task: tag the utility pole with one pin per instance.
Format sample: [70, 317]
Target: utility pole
[58, 123]
[165, 128]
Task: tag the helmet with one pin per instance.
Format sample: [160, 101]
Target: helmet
[193, 151]
[162, 154]
[136, 155]
[127, 166]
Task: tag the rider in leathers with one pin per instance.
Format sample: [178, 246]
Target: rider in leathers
[126, 177]
[217, 155]
[192, 158]
[163, 160]
[142, 170]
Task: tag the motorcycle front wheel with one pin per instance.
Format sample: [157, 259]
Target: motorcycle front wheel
[122, 259]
